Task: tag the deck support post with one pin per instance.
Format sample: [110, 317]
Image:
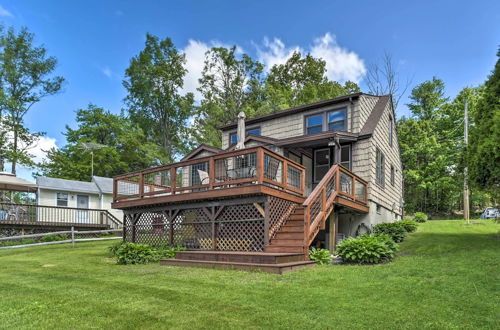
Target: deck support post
[266, 222]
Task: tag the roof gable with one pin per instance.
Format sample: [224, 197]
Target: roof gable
[201, 148]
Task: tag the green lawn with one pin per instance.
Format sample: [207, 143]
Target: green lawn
[446, 276]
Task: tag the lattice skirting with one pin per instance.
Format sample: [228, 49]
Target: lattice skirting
[234, 225]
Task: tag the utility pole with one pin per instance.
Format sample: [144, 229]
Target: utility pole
[466, 169]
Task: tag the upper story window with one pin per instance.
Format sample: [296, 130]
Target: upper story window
[391, 130]
[314, 124]
[233, 137]
[380, 170]
[62, 199]
[393, 174]
[337, 120]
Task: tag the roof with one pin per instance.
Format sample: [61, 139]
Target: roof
[97, 186]
[202, 147]
[298, 109]
[375, 115]
[105, 185]
[258, 138]
[10, 182]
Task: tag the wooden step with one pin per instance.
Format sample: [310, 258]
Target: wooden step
[292, 228]
[240, 257]
[290, 235]
[292, 222]
[288, 241]
[269, 268]
[296, 217]
[284, 249]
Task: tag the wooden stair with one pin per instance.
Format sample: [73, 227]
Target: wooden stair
[277, 263]
[290, 237]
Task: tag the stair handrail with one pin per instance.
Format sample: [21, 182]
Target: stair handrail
[324, 194]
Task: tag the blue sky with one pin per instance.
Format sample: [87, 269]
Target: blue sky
[94, 41]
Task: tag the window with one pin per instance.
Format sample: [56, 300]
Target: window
[321, 163]
[379, 209]
[314, 124]
[233, 137]
[345, 156]
[337, 120]
[391, 130]
[380, 171]
[392, 175]
[326, 121]
[62, 199]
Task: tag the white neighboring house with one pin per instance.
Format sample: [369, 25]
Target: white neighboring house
[97, 194]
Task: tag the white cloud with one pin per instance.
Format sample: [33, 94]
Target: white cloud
[107, 72]
[38, 153]
[195, 60]
[5, 13]
[341, 64]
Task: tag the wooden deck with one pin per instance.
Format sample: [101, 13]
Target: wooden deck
[250, 201]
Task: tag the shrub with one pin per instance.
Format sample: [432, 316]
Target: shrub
[393, 229]
[169, 252]
[409, 225]
[420, 217]
[131, 253]
[114, 248]
[367, 249]
[321, 256]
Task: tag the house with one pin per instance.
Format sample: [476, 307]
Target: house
[97, 194]
[308, 176]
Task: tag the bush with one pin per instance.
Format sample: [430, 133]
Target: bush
[169, 252]
[409, 225]
[114, 248]
[393, 229]
[420, 217]
[367, 249]
[321, 256]
[130, 253]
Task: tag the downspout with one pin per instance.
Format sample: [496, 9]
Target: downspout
[351, 107]
[337, 150]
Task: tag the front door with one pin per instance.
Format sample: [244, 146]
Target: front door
[82, 202]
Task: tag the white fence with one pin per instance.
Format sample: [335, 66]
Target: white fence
[72, 237]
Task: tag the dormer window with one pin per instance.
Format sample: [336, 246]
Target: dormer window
[233, 137]
[335, 120]
[314, 124]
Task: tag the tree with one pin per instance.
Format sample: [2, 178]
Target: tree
[127, 148]
[25, 79]
[429, 150]
[383, 79]
[302, 80]
[428, 97]
[484, 151]
[229, 84]
[153, 81]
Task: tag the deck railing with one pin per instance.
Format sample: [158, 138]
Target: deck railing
[256, 165]
[28, 213]
[337, 182]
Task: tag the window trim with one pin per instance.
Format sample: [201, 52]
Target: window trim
[344, 120]
[251, 128]
[325, 124]
[380, 180]
[57, 198]
[391, 130]
[317, 114]
[393, 175]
